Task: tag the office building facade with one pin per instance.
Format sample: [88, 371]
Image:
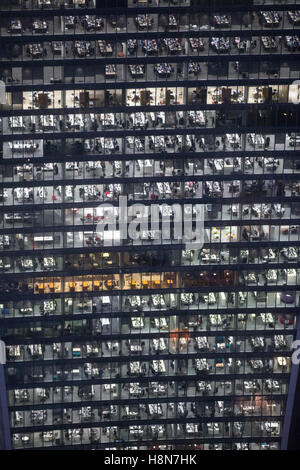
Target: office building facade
[144, 340]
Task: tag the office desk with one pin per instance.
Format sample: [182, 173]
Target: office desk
[267, 317]
[135, 346]
[256, 364]
[202, 343]
[270, 18]
[15, 27]
[108, 120]
[157, 388]
[172, 22]
[23, 194]
[269, 43]
[294, 16]
[173, 45]
[158, 366]
[92, 23]
[143, 21]
[35, 350]
[137, 322]
[257, 343]
[192, 428]
[250, 385]
[272, 385]
[82, 48]
[220, 44]
[221, 20]
[110, 71]
[197, 44]
[16, 122]
[136, 430]
[110, 387]
[48, 306]
[25, 264]
[256, 140]
[159, 116]
[163, 70]
[164, 189]
[14, 352]
[35, 50]
[187, 298]
[139, 120]
[137, 70]
[155, 409]
[157, 430]
[234, 140]
[70, 22]
[210, 299]
[131, 45]
[159, 344]
[135, 368]
[196, 117]
[215, 319]
[105, 48]
[292, 42]
[39, 26]
[201, 365]
[149, 46]
[272, 428]
[203, 386]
